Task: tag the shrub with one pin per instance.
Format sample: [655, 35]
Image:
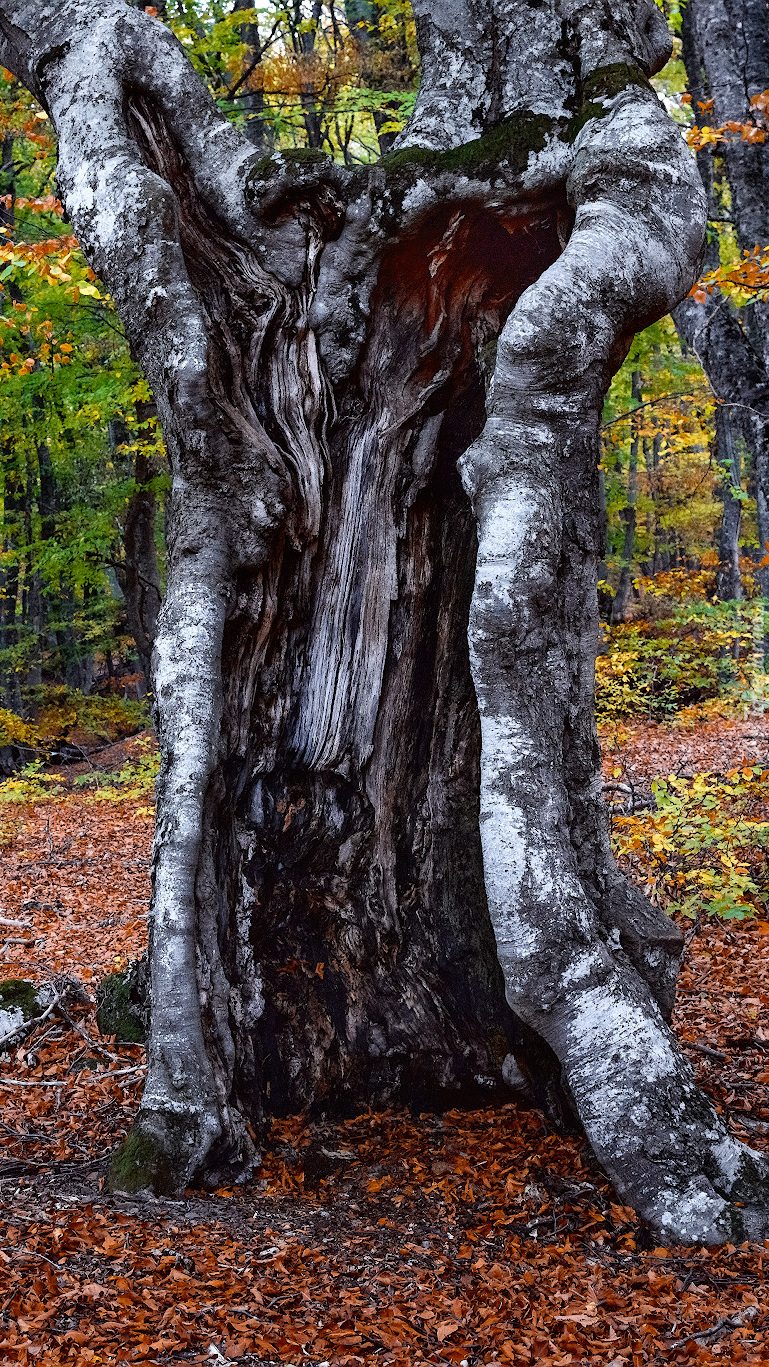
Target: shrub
[700, 651]
[704, 849]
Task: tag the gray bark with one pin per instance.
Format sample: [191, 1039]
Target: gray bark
[326, 898]
[726, 53]
[729, 459]
[619, 608]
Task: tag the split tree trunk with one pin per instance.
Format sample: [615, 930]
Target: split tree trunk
[382, 868]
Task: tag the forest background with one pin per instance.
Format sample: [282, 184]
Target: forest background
[684, 479]
[398, 1239]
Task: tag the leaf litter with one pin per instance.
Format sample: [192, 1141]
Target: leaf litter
[473, 1237]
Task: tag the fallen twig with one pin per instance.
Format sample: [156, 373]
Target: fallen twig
[30, 1253]
[26, 1026]
[727, 1325]
[17, 925]
[717, 1054]
[760, 1126]
[113, 1058]
[68, 1082]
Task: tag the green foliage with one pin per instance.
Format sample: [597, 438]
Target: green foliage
[31, 785]
[656, 460]
[135, 779]
[14, 731]
[333, 77]
[58, 713]
[68, 387]
[698, 650]
[704, 849]
[63, 713]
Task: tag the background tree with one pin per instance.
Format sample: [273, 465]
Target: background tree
[726, 54]
[316, 339]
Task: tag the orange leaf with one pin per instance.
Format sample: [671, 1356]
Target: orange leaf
[444, 1330]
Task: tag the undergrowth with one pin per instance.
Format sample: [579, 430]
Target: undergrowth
[135, 779]
[703, 851]
[54, 714]
[686, 651]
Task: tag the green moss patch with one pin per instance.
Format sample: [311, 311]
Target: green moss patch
[510, 143]
[602, 84]
[607, 81]
[141, 1165]
[19, 995]
[278, 163]
[122, 1007]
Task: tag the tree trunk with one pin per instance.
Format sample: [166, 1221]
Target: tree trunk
[251, 93]
[726, 54]
[340, 843]
[383, 65]
[729, 461]
[619, 608]
[139, 575]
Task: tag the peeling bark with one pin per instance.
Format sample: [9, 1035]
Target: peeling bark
[336, 920]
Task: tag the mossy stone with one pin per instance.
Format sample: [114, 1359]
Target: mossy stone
[122, 1004]
[17, 994]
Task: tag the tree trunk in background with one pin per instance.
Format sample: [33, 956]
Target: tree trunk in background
[9, 605]
[619, 608]
[142, 587]
[383, 64]
[251, 99]
[726, 54]
[729, 459]
[304, 36]
[354, 807]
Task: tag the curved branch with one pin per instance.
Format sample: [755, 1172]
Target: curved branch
[569, 965]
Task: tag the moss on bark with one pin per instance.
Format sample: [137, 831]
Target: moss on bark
[142, 1164]
[509, 144]
[602, 85]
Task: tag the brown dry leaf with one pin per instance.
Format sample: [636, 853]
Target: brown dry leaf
[474, 1236]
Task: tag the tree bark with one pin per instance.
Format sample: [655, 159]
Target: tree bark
[353, 807]
[726, 54]
[139, 574]
[619, 608]
[729, 460]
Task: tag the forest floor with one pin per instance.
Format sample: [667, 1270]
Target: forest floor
[467, 1238]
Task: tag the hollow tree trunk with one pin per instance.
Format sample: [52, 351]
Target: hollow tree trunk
[354, 810]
